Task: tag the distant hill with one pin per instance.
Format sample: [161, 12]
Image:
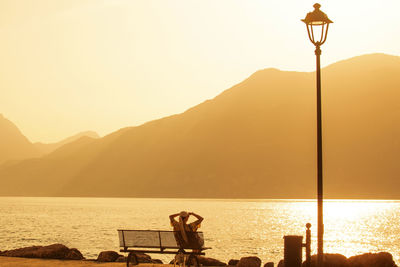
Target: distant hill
[46, 148]
[254, 140]
[13, 144]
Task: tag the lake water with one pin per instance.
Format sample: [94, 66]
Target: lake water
[233, 228]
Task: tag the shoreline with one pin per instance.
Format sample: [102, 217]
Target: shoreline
[380, 259]
[34, 262]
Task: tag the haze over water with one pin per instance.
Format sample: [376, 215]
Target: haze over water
[233, 228]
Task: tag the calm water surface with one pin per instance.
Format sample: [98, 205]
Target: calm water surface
[233, 228]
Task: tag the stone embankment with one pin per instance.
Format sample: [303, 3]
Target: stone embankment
[381, 259]
[55, 251]
[61, 252]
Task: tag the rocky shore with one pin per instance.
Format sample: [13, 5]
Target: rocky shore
[55, 251]
[73, 257]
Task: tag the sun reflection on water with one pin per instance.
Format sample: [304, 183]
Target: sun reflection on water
[358, 226]
[233, 228]
[351, 227]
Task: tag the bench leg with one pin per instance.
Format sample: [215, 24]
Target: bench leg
[193, 261]
[131, 259]
[179, 259]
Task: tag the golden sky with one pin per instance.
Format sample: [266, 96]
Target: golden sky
[72, 65]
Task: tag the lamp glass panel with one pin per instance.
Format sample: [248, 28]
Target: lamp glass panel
[317, 22]
[318, 31]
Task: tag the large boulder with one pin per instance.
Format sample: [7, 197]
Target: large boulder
[330, 260]
[157, 261]
[142, 258]
[108, 256]
[249, 262]
[381, 259]
[55, 251]
[233, 262]
[121, 259]
[74, 254]
[205, 261]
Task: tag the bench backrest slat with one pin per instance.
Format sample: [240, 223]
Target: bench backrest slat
[149, 239]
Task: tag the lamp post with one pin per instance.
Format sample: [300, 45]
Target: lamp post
[317, 24]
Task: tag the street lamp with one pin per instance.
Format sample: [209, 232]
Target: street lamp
[317, 24]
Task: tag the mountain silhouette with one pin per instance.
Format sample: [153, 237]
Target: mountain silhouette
[13, 144]
[46, 148]
[254, 140]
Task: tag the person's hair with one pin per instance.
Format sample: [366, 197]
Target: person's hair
[184, 214]
[182, 229]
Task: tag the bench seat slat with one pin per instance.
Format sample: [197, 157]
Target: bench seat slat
[162, 252]
[162, 242]
[150, 239]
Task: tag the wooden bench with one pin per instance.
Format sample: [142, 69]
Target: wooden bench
[162, 242]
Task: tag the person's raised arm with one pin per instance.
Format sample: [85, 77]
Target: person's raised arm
[199, 218]
[172, 217]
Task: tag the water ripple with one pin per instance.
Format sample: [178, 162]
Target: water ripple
[233, 228]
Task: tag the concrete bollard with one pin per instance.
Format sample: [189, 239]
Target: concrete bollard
[293, 250]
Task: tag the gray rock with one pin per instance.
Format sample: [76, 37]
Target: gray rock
[330, 260]
[381, 259]
[121, 259]
[249, 262]
[143, 258]
[54, 251]
[334, 260]
[157, 261]
[108, 256]
[210, 261]
[233, 262]
[74, 254]
[205, 261]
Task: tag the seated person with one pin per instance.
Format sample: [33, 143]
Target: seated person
[185, 234]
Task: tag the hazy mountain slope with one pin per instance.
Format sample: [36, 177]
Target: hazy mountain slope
[362, 123]
[46, 175]
[46, 148]
[13, 144]
[256, 139]
[240, 144]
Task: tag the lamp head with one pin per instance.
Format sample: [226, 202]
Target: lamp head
[317, 17]
[317, 20]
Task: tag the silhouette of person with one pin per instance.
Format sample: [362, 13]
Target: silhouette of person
[184, 232]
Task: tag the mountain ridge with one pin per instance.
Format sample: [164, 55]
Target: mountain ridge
[13, 144]
[46, 148]
[254, 140]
